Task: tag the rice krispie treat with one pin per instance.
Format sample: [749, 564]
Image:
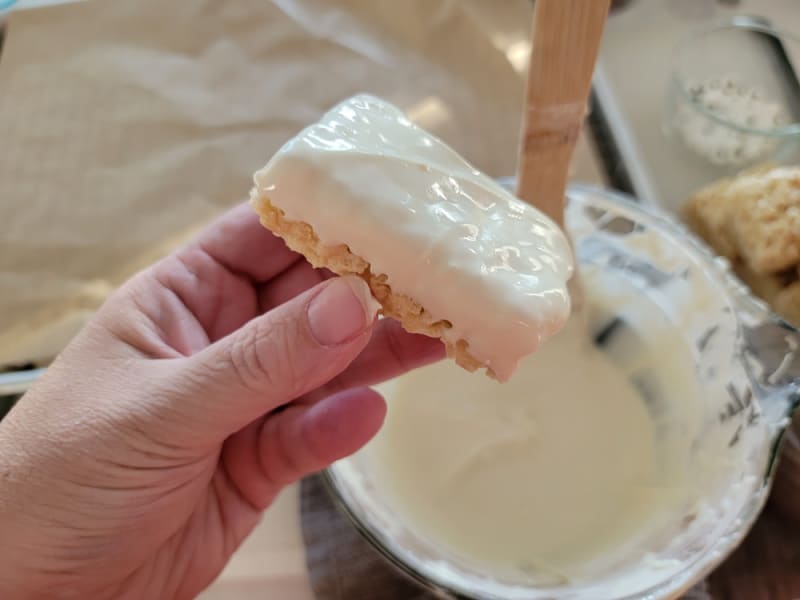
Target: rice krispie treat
[765, 222]
[707, 213]
[754, 220]
[444, 249]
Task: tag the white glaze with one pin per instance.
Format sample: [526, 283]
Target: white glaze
[444, 233]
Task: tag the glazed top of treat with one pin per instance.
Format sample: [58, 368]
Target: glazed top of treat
[444, 233]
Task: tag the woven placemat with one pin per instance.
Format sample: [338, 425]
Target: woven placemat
[343, 566]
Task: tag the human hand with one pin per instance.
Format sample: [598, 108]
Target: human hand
[203, 386]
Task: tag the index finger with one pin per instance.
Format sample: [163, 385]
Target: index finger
[239, 242]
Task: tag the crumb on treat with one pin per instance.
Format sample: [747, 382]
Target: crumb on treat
[302, 238]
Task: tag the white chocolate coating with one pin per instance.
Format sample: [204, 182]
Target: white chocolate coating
[445, 234]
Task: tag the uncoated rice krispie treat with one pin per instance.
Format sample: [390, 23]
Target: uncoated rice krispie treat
[754, 220]
[765, 222]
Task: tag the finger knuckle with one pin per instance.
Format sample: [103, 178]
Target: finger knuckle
[263, 357]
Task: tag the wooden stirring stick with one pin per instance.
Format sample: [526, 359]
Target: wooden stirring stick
[566, 40]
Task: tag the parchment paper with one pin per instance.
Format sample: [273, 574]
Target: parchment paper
[125, 126]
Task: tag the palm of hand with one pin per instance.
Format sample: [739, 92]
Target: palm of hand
[178, 481]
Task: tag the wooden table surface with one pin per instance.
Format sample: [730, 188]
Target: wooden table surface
[767, 565]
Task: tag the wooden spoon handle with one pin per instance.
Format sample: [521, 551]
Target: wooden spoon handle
[565, 44]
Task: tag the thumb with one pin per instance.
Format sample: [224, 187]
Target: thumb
[277, 357]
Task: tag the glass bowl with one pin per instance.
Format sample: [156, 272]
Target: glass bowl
[743, 366]
[733, 95]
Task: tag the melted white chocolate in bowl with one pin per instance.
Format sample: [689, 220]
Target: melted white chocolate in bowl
[517, 482]
[445, 234]
[559, 472]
